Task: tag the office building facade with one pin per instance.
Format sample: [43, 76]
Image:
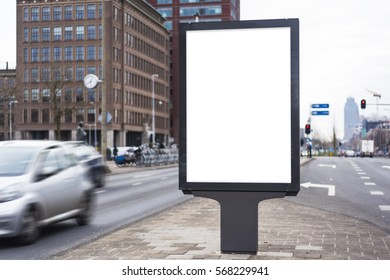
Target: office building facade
[351, 118]
[177, 11]
[59, 42]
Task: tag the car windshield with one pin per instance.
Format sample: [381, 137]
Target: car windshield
[14, 161]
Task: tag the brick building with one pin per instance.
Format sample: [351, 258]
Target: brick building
[177, 11]
[59, 42]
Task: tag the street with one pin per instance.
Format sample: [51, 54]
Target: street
[126, 198]
[357, 187]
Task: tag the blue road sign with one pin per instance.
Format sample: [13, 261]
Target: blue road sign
[320, 113]
[320, 106]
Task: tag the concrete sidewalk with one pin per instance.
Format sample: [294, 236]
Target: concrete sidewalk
[191, 230]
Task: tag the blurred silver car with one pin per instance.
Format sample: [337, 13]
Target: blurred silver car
[91, 160]
[40, 184]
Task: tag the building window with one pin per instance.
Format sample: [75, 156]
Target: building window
[91, 11]
[45, 34]
[57, 74]
[45, 54]
[34, 14]
[25, 95]
[202, 11]
[68, 12]
[25, 34]
[68, 33]
[57, 13]
[91, 70]
[91, 32]
[68, 115]
[45, 13]
[45, 115]
[80, 32]
[34, 34]
[68, 53]
[91, 95]
[165, 12]
[57, 33]
[25, 75]
[79, 94]
[25, 55]
[45, 74]
[34, 75]
[79, 11]
[68, 95]
[91, 115]
[34, 55]
[79, 73]
[57, 53]
[91, 52]
[46, 95]
[25, 14]
[34, 115]
[34, 95]
[68, 74]
[79, 115]
[79, 53]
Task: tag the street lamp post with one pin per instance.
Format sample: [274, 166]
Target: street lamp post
[94, 104]
[153, 112]
[10, 117]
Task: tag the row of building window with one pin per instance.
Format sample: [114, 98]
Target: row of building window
[7, 83]
[59, 33]
[146, 31]
[44, 115]
[67, 53]
[46, 74]
[57, 13]
[67, 95]
[190, 11]
[164, 2]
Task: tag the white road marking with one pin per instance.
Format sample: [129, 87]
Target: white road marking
[376, 193]
[136, 184]
[327, 165]
[365, 177]
[331, 188]
[369, 183]
[384, 207]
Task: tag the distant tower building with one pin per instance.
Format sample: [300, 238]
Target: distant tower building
[351, 117]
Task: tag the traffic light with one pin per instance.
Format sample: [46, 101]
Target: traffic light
[307, 128]
[363, 104]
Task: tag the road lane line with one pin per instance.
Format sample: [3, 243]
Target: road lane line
[369, 183]
[136, 184]
[384, 207]
[376, 193]
[365, 178]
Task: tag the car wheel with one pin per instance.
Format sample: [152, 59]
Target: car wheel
[29, 228]
[86, 213]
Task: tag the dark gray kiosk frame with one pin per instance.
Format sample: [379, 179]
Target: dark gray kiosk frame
[205, 104]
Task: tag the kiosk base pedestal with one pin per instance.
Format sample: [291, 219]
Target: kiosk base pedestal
[239, 218]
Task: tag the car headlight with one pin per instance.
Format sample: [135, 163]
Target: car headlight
[10, 192]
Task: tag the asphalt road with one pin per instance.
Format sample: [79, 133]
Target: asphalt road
[357, 187]
[126, 198]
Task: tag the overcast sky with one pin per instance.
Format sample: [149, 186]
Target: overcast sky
[344, 49]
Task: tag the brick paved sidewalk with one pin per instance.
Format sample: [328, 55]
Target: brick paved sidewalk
[286, 231]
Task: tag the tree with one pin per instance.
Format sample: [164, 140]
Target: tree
[7, 94]
[55, 79]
